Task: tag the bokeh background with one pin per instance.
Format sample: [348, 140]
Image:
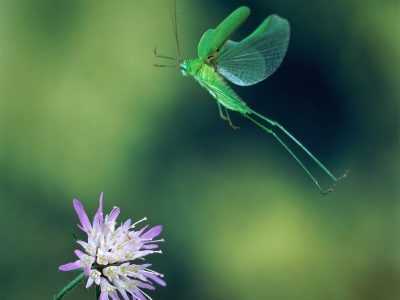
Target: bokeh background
[83, 110]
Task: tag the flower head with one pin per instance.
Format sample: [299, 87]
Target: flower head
[113, 257]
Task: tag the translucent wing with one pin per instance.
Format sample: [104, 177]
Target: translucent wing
[256, 57]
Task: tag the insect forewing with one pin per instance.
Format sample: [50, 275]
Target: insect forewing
[213, 39]
[258, 56]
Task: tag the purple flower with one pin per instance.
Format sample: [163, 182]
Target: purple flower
[113, 257]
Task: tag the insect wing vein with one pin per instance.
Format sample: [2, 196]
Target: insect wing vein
[255, 58]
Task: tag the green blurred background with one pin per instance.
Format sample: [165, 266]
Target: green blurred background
[82, 110]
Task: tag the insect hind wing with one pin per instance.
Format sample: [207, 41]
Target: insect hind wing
[242, 72]
[258, 56]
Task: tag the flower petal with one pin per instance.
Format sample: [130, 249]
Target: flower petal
[114, 214]
[79, 253]
[89, 282]
[70, 266]
[142, 230]
[150, 246]
[145, 286]
[86, 270]
[156, 279]
[98, 217]
[103, 296]
[137, 294]
[83, 218]
[123, 294]
[152, 233]
[127, 224]
[101, 201]
[114, 296]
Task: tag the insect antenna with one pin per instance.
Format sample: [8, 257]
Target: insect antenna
[176, 33]
[177, 59]
[158, 55]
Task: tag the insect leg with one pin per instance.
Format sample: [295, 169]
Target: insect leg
[270, 131]
[221, 113]
[164, 66]
[226, 117]
[308, 152]
[229, 120]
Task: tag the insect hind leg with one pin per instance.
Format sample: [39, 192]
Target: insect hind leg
[308, 152]
[292, 154]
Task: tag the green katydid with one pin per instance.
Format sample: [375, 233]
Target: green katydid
[243, 63]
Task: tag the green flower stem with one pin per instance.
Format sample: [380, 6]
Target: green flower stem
[70, 286]
[97, 292]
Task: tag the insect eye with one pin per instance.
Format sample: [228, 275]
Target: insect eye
[183, 71]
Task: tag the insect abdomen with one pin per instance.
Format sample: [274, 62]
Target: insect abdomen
[220, 90]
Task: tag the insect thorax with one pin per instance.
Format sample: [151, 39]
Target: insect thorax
[190, 67]
[206, 75]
